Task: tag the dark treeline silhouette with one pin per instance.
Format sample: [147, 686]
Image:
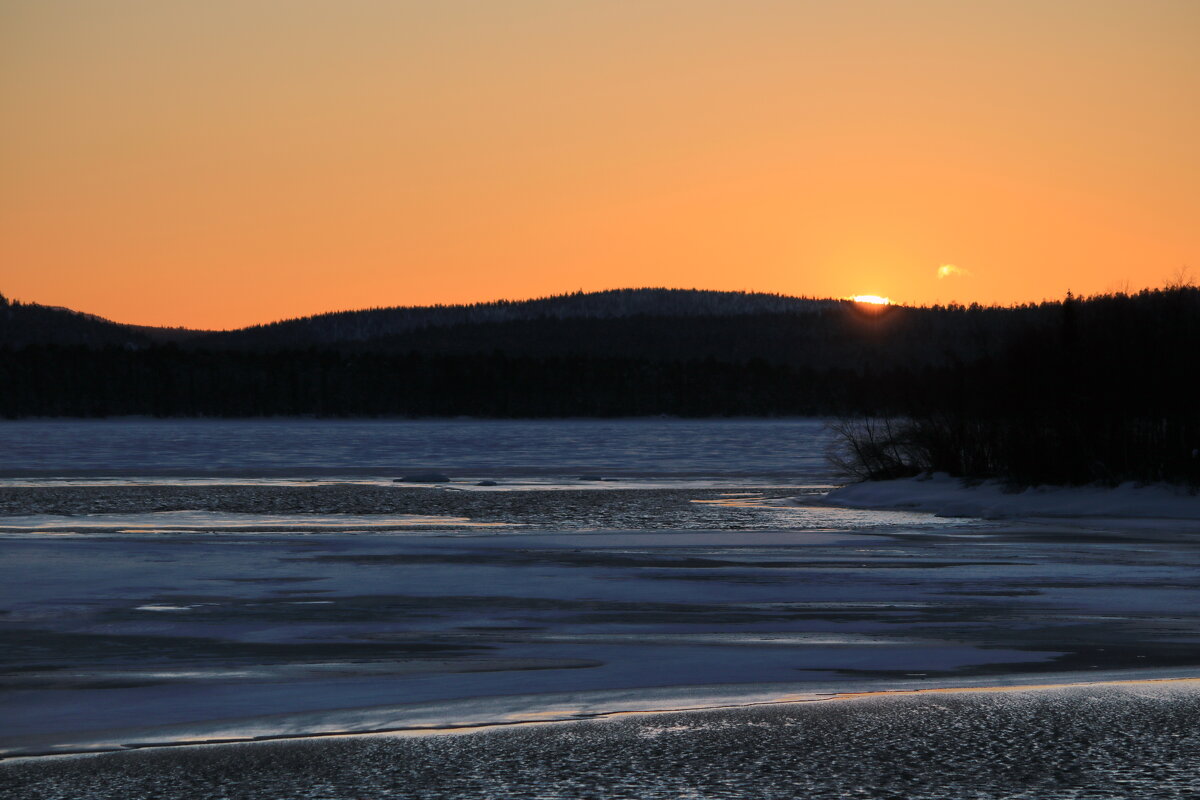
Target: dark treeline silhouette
[25, 324]
[1060, 392]
[1098, 390]
[169, 381]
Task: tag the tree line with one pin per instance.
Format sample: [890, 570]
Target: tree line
[1098, 390]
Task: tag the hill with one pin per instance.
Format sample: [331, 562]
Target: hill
[657, 325]
[24, 324]
[367, 325]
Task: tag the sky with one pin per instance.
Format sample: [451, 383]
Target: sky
[227, 162]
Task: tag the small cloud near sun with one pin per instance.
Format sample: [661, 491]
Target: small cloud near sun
[951, 271]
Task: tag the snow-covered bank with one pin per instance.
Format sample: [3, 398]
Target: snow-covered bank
[945, 496]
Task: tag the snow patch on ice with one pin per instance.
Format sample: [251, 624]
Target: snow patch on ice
[945, 496]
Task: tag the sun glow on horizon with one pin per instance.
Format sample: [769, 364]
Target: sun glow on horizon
[872, 299]
[221, 164]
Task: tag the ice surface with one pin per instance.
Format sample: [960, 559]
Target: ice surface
[195, 607]
[794, 448]
[174, 521]
[175, 636]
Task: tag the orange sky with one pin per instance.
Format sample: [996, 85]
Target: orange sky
[225, 162]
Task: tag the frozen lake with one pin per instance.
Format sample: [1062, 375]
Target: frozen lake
[793, 449]
[165, 582]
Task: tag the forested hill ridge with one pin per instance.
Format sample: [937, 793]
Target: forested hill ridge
[367, 325]
[23, 324]
[659, 325]
[656, 324]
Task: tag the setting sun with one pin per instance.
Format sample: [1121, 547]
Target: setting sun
[224, 164]
[872, 299]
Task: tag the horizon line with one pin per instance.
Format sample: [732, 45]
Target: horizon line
[1167, 286]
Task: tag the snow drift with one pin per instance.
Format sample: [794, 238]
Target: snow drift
[945, 496]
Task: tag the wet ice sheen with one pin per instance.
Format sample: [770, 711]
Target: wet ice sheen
[326, 624]
[1104, 743]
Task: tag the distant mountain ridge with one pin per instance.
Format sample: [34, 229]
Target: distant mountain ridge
[364, 325]
[23, 324]
[655, 324]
